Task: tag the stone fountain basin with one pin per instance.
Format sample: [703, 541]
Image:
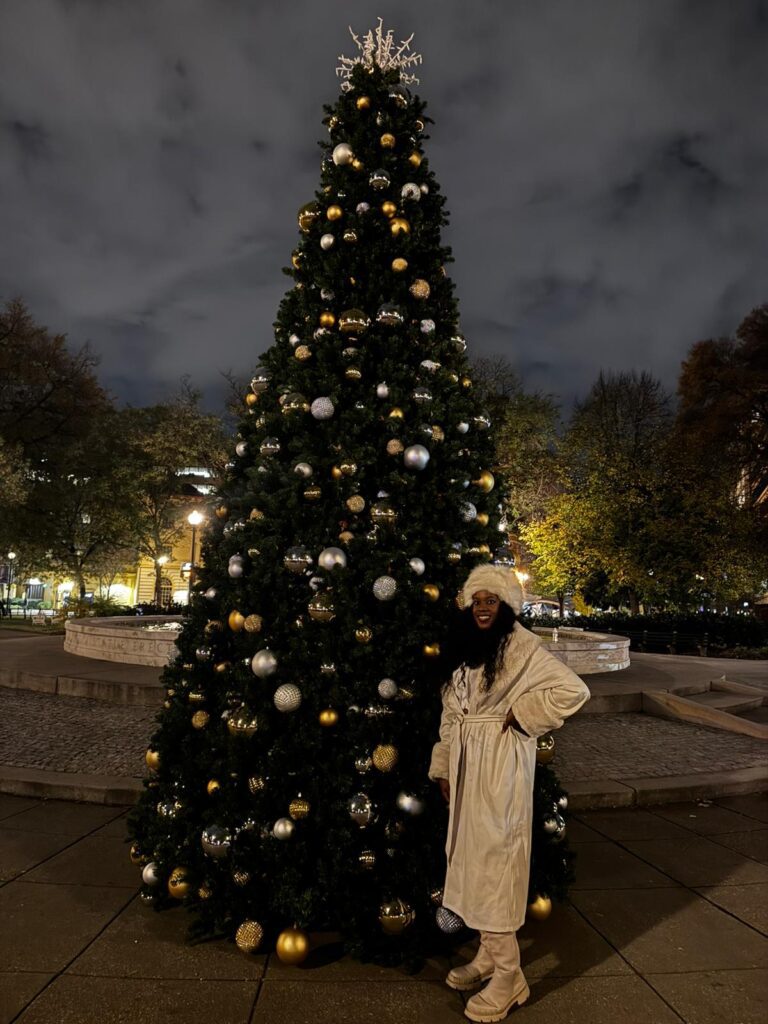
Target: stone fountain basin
[584, 651]
[131, 639]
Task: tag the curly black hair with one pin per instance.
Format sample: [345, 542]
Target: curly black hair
[470, 647]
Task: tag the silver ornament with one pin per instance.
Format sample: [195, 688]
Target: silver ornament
[447, 921]
[379, 180]
[363, 764]
[427, 326]
[241, 448]
[562, 802]
[382, 390]
[283, 828]
[417, 565]
[342, 154]
[421, 395]
[260, 383]
[362, 208]
[482, 421]
[459, 342]
[361, 809]
[384, 588]
[235, 567]
[429, 365]
[462, 427]
[329, 558]
[269, 446]
[168, 808]
[303, 469]
[322, 408]
[204, 653]
[327, 241]
[297, 559]
[389, 315]
[287, 697]
[150, 875]
[327, 295]
[315, 582]
[467, 511]
[550, 825]
[216, 841]
[416, 456]
[293, 340]
[411, 190]
[410, 804]
[424, 188]
[387, 689]
[263, 663]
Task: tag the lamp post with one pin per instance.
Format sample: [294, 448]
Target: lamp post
[159, 563]
[11, 559]
[194, 519]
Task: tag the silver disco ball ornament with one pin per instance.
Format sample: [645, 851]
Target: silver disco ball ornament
[283, 828]
[387, 689]
[417, 566]
[263, 663]
[342, 154]
[151, 874]
[293, 340]
[382, 390]
[409, 804]
[467, 511]
[297, 559]
[327, 241]
[416, 456]
[241, 448]
[384, 588]
[269, 446]
[322, 408]
[411, 190]
[216, 841]
[287, 697]
[329, 558]
[303, 469]
[447, 921]
[361, 809]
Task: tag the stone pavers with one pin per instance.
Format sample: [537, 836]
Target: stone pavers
[637, 942]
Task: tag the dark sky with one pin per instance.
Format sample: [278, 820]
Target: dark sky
[605, 164]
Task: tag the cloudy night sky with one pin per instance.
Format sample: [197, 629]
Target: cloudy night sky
[605, 165]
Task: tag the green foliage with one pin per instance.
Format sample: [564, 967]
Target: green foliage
[271, 503]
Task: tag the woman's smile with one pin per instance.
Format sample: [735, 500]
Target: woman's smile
[485, 608]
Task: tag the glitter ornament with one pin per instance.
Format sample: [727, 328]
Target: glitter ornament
[420, 289]
[287, 697]
[366, 859]
[248, 936]
[411, 191]
[387, 689]
[394, 447]
[356, 503]
[427, 327]
[467, 511]
[384, 588]
[322, 408]
[384, 757]
[447, 921]
[399, 264]
[299, 808]
[302, 353]
[362, 208]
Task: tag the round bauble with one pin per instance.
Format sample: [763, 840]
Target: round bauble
[379, 180]
[212, 786]
[394, 446]
[216, 841]
[241, 448]
[363, 102]
[417, 565]
[363, 634]
[387, 689]
[408, 803]
[308, 214]
[292, 946]
[387, 141]
[355, 503]
[485, 481]
[312, 493]
[384, 588]
[415, 159]
[467, 511]
[287, 697]
[411, 192]
[447, 921]
[322, 408]
[399, 264]
[384, 757]
[420, 289]
[330, 558]
[416, 456]
[395, 916]
[242, 722]
[150, 874]
[297, 559]
[294, 403]
[327, 241]
[431, 590]
[235, 621]
[248, 936]
[263, 663]
[354, 321]
[328, 717]
[367, 859]
[342, 154]
[303, 469]
[382, 390]
[253, 623]
[350, 236]
[200, 719]
[334, 212]
[540, 908]
[398, 96]
[136, 856]
[361, 810]
[428, 327]
[256, 784]
[211, 594]
[545, 749]
[383, 513]
[389, 315]
[362, 208]
[562, 802]
[399, 226]
[178, 883]
[283, 828]
[431, 650]
[235, 567]
[299, 808]
[363, 763]
[152, 760]
[348, 468]
[321, 608]
[302, 353]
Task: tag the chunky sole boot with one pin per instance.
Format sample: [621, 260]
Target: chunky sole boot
[465, 978]
[486, 1011]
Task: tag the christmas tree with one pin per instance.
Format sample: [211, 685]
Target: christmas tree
[288, 789]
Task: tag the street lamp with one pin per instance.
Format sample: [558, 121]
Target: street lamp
[11, 558]
[159, 563]
[194, 519]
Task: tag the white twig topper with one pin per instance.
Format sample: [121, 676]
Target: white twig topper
[378, 47]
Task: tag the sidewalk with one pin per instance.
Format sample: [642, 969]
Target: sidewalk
[667, 923]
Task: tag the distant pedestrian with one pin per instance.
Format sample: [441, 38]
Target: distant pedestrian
[506, 691]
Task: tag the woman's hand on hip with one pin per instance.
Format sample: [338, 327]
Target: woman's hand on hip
[445, 789]
[510, 722]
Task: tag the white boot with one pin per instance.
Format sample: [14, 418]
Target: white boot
[507, 987]
[472, 974]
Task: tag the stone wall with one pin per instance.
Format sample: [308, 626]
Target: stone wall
[121, 638]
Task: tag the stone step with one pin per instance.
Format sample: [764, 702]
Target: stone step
[731, 702]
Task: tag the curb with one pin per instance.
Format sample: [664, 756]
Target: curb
[112, 692]
[90, 789]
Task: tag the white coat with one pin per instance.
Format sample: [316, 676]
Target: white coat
[491, 775]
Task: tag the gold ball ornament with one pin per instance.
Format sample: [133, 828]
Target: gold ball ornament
[420, 289]
[221, 667]
[195, 697]
[395, 916]
[387, 141]
[256, 514]
[221, 512]
[327, 319]
[299, 808]
[312, 493]
[348, 468]
[296, 260]
[482, 519]
[431, 590]
[204, 892]
[241, 878]
[384, 757]
[363, 102]
[388, 208]
[302, 352]
[399, 226]
[308, 214]
[356, 503]
[152, 759]
[353, 373]
[486, 481]
[415, 159]
[357, 165]
[454, 557]
[334, 212]
[394, 447]
[248, 936]
[350, 236]
[292, 946]
[466, 383]
[431, 650]
[363, 634]
[336, 473]
[213, 626]
[253, 623]
[346, 536]
[251, 399]
[399, 264]
[256, 784]
[235, 620]
[540, 908]
[200, 719]
[213, 787]
[137, 857]
[178, 883]
[396, 413]
[328, 718]
[545, 749]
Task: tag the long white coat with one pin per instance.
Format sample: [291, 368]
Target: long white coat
[491, 775]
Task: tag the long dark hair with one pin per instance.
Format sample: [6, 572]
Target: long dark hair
[471, 647]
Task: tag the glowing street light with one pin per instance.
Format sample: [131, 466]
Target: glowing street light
[194, 519]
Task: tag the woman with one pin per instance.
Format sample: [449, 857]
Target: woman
[506, 691]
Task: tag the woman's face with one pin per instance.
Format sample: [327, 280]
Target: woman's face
[485, 608]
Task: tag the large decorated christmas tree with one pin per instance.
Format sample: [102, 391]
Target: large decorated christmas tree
[288, 788]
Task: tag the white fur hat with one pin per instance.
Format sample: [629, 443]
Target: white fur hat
[496, 580]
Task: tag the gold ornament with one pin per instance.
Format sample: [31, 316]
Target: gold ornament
[196, 698]
[399, 226]
[296, 260]
[235, 621]
[178, 883]
[395, 916]
[321, 608]
[221, 666]
[336, 473]
[363, 634]
[540, 909]
[253, 623]
[354, 321]
[248, 936]
[251, 399]
[200, 719]
[334, 212]
[302, 352]
[396, 413]
[482, 519]
[256, 784]
[388, 208]
[346, 536]
[350, 236]
[420, 288]
[292, 946]
[242, 723]
[221, 512]
[387, 141]
[329, 717]
[394, 447]
[363, 102]
[327, 319]
[357, 165]
[356, 503]
[152, 758]
[545, 748]
[466, 383]
[333, 123]
[399, 264]
[353, 373]
[438, 434]
[212, 626]
[485, 481]
[431, 590]
[256, 514]
[415, 159]
[431, 650]
[299, 808]
[348, 468]
[384, 757]
[383, 514]
[204, 892]
[366, 859]
[312, 493]
[308, 214]
[454, 557]
[213, 787]
[241, 878]
[137, 857]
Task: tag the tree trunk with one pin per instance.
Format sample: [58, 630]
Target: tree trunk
[561, 602]
[634, 604]
[158, 585]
